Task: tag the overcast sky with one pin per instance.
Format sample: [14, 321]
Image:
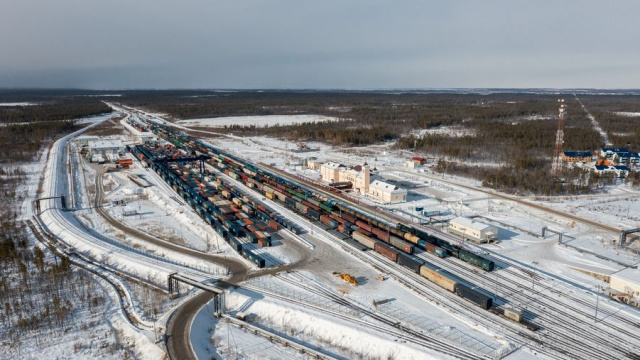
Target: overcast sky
[352, 44]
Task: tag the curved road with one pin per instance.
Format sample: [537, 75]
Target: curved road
[179, 324]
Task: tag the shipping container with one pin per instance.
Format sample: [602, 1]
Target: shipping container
[386, 251]
[513, 314]
[235, 243]
[274, 225]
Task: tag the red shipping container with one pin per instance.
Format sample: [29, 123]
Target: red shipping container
[274, 225]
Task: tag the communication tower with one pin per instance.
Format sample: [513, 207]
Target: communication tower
[556, 166]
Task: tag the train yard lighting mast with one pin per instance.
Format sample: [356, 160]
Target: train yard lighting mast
[556, 166]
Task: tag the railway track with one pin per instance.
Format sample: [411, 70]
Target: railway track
[390, 327]
[559, 322]
[556, 319]
[520, 201]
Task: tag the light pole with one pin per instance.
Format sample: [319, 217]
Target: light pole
[595, 316]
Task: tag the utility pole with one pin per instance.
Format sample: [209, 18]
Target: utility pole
[556, 165]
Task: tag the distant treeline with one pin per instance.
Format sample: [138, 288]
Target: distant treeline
[52, 116]
[506, 140]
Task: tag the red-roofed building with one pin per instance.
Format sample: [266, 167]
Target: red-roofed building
[419, 160]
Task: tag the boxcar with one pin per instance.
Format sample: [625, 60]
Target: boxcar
[438, 276]
[476, 260]
[409, 262]
[474, 296]
[402, 245]
[364, 240]
[386, 251]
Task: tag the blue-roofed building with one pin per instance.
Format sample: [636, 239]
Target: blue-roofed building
[621, 156]
[610, 152]
[576, 156]
[619, 171]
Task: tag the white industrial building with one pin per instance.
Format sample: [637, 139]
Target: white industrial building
[387, 193]
[358, 176]
[473, 230]
[627, 281]
[83, 140]
[105, 147]
[145, 137]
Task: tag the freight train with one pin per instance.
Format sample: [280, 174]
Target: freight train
[427, 270]
[334, 214]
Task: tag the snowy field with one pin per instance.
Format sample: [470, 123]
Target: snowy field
[629, 114]
[258, 121]
[320, 325]
[18, 104]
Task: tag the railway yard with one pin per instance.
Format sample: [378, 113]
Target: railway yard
[259, 259]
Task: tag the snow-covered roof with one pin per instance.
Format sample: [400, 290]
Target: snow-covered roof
[472, 224]
[614, 150]
[105, 144]
[333, 165]
[629, 274]
[383, 186]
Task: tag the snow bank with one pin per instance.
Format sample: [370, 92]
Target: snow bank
[321, 331]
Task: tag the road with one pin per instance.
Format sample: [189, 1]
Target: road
[179, 325]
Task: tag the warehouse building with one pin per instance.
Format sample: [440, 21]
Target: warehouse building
[627, 281]
[386, 193]
[105, 147]
[470, 229]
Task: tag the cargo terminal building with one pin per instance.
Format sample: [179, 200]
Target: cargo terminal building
[473, 230]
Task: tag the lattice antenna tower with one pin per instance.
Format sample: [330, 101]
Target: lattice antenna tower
[556, 166]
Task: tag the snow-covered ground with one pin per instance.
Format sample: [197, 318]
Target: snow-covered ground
[520, 242]
[258, 121]
[18, 104]
[452, 131]
[626, 113]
